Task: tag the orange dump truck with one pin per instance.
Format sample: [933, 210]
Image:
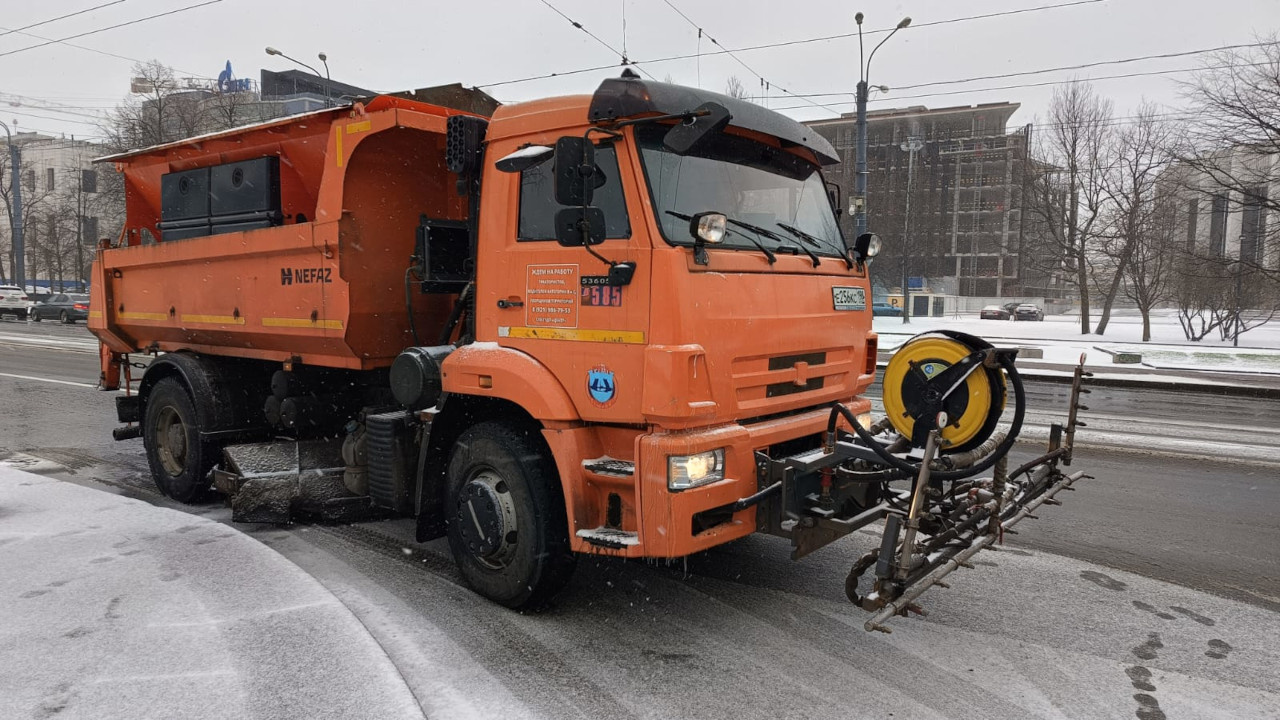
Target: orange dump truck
[624, 323]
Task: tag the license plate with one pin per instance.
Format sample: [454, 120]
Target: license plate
[849, 298]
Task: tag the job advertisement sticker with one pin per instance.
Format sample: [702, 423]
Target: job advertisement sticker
[601, 385]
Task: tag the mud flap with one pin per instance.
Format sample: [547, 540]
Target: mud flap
[274, 482]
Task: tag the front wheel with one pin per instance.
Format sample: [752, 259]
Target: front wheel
[507, 526]
[34, 315]
[180, 462]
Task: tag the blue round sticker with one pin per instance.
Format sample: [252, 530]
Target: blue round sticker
[601, 385]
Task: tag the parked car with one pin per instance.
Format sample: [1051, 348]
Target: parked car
[1027, 311]
[884, 309]
[994, 312]
[14, 301]
[1011, 307]
[66, 307]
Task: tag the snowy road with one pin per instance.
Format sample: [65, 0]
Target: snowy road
[744, 632]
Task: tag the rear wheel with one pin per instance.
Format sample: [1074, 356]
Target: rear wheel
[35, 315]
[66, 319]
[506, 517]
[180, 462]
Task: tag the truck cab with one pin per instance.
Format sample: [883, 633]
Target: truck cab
[657, 394]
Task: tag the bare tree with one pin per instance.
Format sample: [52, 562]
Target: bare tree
[734, 88]
[1065, 190]
[1139, 156]
[1153, 255]
[36, 199]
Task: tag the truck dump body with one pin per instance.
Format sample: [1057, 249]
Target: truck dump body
[321, 277]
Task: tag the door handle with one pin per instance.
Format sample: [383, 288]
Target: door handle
[505, 303]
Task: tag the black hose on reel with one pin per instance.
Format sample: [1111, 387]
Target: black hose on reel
[1019, 413]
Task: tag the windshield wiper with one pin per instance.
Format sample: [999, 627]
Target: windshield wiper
[767, 252]
[812, 241]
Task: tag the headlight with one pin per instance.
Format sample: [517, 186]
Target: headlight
[708, 226]
[873, 246]
[690, 471]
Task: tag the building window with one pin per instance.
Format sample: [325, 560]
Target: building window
[31, 179]
[1252, 224]
[1193, 210]
[48, 179]
[1218, 226]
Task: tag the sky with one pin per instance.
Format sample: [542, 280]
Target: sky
[63, 90]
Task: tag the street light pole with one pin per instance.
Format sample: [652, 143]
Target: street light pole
[859, 199]
[15, 220]
[295, 61]
[910, 146]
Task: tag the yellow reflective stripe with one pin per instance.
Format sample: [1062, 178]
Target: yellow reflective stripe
[633, 337]
[354, 128]
[143, 316]
[338, 154]
[302, 323]
[217, 319]
[95, 313]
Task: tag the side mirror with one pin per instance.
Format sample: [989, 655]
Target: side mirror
[575, 171]
[833, 194]
[580, 226]
[524, 158]
[685, 137]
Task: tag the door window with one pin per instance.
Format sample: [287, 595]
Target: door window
[538, 205]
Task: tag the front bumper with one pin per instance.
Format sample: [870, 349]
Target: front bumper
[658, 522]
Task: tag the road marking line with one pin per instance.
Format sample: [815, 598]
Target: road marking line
[48, 380]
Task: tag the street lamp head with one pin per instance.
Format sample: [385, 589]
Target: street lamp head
[324, 58]
[858, 18]
[882, 88]
[904, 22]
[273, 51]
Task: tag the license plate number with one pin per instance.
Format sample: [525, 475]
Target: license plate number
[849, 298]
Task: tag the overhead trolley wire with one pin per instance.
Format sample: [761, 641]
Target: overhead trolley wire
[785, 43]
[61, 17]
[763, 80]
[580, 26]
[111, 27]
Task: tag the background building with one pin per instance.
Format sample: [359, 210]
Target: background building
[965, 232]
[1223, 206]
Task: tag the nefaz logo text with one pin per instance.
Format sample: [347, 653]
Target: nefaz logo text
[305, 276]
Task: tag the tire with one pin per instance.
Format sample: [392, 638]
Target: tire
[180, 462]
[499, 478]
[66, 320]
[35, 316]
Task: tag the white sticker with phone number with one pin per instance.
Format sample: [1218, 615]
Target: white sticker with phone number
[849, 298]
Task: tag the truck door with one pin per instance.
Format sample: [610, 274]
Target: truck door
[553, 302]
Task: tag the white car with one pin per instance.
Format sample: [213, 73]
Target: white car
[14, 301]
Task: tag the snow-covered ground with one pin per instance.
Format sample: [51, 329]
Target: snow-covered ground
[1062, 343]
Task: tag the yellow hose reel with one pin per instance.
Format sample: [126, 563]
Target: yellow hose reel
[973, 408]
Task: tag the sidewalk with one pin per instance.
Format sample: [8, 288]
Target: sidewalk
[114, 608]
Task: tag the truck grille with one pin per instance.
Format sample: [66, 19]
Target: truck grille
[764, 384]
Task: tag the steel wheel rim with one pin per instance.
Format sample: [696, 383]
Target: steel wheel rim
[171, 441]
[488, 484]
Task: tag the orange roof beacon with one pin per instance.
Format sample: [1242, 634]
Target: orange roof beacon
[624, 324]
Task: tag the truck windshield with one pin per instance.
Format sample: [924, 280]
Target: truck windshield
[748, 181]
